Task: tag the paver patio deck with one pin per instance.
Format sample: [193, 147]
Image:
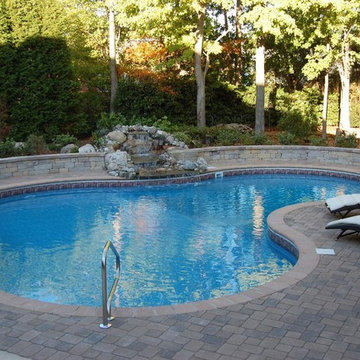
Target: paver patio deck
[316, 318]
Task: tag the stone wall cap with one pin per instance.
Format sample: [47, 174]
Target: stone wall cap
[51, 156]
[267, 147]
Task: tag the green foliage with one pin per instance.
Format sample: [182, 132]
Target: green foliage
[287, 138]
[226, 137]
[59, 141]
[176, 100]
[261, 139]
[355, 105]
[333, 109]
[218, 136]
[107, 122]
[42, 95]
[346, 140]
[165, 125]
[300, 111]
[46, 87]
[317, 141]
[98, 140]
[183, 136]
[35, 145]
[8, 149]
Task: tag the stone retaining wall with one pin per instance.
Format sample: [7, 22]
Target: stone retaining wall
[215, 156]
[248, 155]
[50, 164]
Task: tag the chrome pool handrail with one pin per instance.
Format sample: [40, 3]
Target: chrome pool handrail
[106, 300]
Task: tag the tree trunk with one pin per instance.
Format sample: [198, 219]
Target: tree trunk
[325, 102]
[199, 72]
[260, 89]
[112, 53]
[325, 106]
[237, 60]
[344, 71]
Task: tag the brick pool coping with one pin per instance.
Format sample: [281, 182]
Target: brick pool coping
[279, 232]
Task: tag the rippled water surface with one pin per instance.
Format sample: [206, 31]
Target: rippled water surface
[177, 243]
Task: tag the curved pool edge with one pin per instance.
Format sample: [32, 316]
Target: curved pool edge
[307, 261]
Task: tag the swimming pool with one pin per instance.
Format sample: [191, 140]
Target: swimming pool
[177, 243]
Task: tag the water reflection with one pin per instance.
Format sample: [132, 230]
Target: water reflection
[176, 243]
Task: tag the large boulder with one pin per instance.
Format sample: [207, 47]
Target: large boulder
[119, 163]
[117, 136]
[116, 160]
[235, 126]
[201, 164]
[69, 148]
[87, 149]
[188, 165]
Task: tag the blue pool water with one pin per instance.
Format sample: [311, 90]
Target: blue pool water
[177, 243]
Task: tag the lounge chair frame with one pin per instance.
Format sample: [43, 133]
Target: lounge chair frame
[343, 210]
[348, 226]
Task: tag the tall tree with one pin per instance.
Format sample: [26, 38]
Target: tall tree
[266, 19]
[238, 40]
[260, 88]
[112, 55]
[337, 25]
[212, 47]
[187, 27]
[200, 72]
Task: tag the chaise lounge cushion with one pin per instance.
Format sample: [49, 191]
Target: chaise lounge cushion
[343, 203]
[351, 223]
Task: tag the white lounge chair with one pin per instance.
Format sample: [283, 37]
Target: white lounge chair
[351, 224]
[343, 204]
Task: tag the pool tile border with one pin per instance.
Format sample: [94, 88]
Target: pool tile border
[297, 243]
[72, 184]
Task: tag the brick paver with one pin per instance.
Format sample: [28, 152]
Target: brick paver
[317, 318]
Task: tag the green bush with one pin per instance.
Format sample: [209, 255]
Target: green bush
[346, 141]
[333, 109]
[261, 139]
[44, 94]
[225, 137]
[165, 125]
[300, 111]
[183, 136]
[98, 140]
[317, 141]
[287, 138]
[59, 141]
[355, 105]
[35, 145]
[218, 136]
[8, 149]
[176, 99]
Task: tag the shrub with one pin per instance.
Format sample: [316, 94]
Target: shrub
[8, 148]
[107, 122]
[317, 141]
[61, 140]
[175, 98]
[183, 136]
[346, 140]
[35, 145]
[287, 139]
[98, 140]
[333, 109]
[300, 111]
[45, 96]
[354, 105]
[165, 125]
[261, 139]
